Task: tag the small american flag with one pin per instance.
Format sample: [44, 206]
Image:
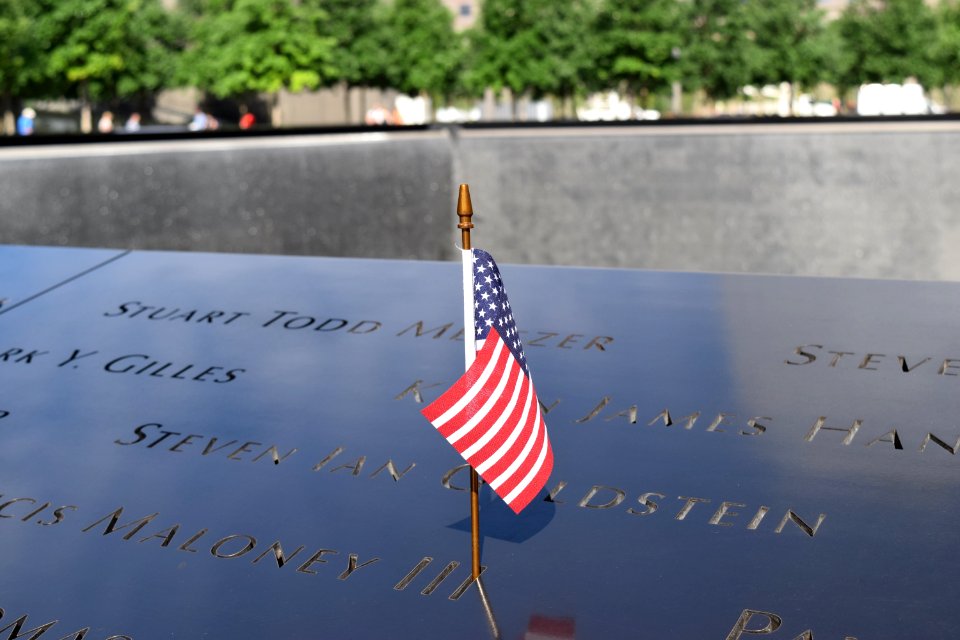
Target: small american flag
[491, 415]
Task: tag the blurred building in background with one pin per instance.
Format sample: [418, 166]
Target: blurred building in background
[464, 12]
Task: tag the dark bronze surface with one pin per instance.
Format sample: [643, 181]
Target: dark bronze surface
[598, 560]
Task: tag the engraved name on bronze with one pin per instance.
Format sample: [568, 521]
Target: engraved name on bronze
[753, 622]
[242, 545]
[224, 547]
[135, 364]
[719, 513]
[153, 435]
[821, 356]
[21, 628]
[297, 321]
[555, 339]
[821, 428]
[890, 438]
[135, 309]
[294, 321]
[606, 410]
[18, 355]
[151, 367]
[28, 509]
[175, 537]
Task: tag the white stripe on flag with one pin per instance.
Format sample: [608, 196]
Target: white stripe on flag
[520, 459]
[512, 372]
[530, 476]
[492, 399]
[499, 453]
[471, 392]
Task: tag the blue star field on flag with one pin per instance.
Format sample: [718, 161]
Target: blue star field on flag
[492, 308]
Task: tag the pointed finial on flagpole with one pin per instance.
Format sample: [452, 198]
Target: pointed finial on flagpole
[465, 211]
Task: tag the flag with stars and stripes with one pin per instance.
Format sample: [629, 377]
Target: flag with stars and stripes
[491, 415]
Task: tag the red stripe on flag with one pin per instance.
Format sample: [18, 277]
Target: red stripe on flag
[526, 430]
[526, 465]
[460, 388]
[533, 489]
[514, 377]
[509, 425]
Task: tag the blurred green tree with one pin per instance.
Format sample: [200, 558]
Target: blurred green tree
[946, 49]
[423, 53]
[241, 47]
[717, 54]
[495, 47]
[360, 56]
[105, 49]
[23, 52]
[537, 47]
[887, 41]
[638, 46]
[790, 43]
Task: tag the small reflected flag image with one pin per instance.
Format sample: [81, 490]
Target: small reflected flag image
[491, 415]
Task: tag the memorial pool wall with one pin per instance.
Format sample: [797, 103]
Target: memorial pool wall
[871, 199]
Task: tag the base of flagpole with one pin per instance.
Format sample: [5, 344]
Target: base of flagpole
[475, 522]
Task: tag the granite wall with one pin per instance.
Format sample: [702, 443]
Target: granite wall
[870, 199]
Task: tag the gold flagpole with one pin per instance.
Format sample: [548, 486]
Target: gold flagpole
[465, 212]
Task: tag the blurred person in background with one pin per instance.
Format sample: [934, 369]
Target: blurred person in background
[25, 122]
[199, 122]
[133, 123]
[105, 125]
[247, 119]
[377, 115]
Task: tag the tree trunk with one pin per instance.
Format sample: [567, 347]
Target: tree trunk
[427, 107]
[948, 90]
[86, 115]
[489, 110]
[676, 98]
[9, 122]
[631, 97]
[276, 114]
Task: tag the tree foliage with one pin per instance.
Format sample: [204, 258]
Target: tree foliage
[108, 49]
[717, 52]
[887, 41]
[946, 48]
[788, 41]
[638, 44]
[424, 53]
[22, 49]
[532, 46]
[244, 46]
[104, 49]
[362, 48]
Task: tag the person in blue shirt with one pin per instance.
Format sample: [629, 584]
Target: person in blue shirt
[200, 121]
[25, 122]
